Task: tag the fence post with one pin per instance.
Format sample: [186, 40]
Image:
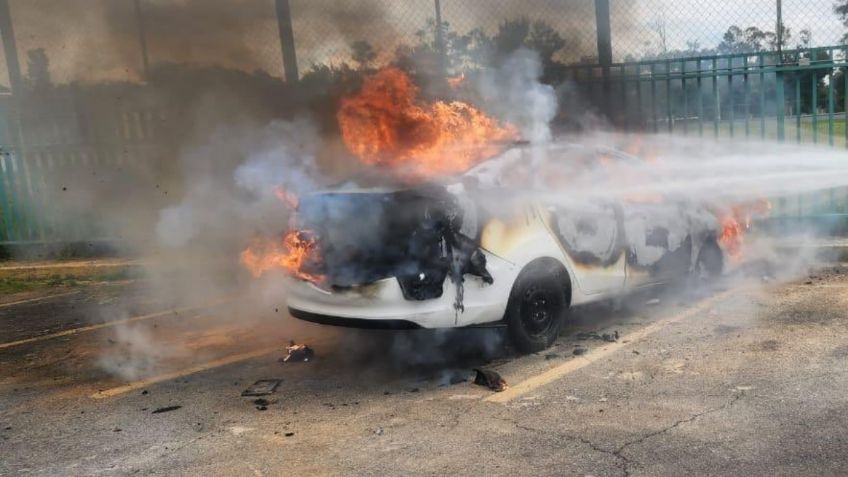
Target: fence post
[602, 24]
[284, 24]
[142, 38]
[10, 47]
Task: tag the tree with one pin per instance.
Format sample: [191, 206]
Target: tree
[752, 40]
[38, 69]
[362, 53]
[805, 39]
[659, 28]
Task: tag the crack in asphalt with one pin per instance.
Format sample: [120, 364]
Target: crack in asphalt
[627, 462]
[623, 462]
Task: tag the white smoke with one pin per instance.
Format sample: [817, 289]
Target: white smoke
[232, 179]
[513, 92]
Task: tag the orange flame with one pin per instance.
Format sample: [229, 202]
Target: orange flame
[735, 224]
[292, 254]
[386, 124]
[286, 196]
[732, 236]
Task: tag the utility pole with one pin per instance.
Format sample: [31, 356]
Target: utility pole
[142, 38]
[602, 23]
[440, 41]
[284, 24]
[10, 47]
[779, 30]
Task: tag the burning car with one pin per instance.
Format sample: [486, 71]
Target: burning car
[496, 245]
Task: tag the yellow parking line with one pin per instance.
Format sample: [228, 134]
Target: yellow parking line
[572, 365]
[31, 300]
[98, 326]
[183, 372]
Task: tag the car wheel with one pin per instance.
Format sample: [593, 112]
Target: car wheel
[537, 305]
[710, 262]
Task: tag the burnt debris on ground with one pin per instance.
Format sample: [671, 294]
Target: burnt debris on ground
[165, 409]
[297, 353]
[262, 387]
[490, 379]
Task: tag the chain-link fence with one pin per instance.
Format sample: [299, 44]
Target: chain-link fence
[106, 40]
[112, 88]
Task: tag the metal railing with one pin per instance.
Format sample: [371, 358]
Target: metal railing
[790, 96]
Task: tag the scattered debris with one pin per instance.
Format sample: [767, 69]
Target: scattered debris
[808, 282]
[160, 410]
[457, 397]
[580, 351]
[603, 399]
[298, 352]
[378, 431]
[289, 434]
[261, 402]
[145, 392]
[635, 352]
[263, 387]
[551, 356]
[490, 379]
[592, 335]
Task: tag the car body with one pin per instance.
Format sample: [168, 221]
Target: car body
[489, 248]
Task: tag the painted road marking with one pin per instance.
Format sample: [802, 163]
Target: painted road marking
[129, 387]
[98, 326]
[580, 362]
[32, 300]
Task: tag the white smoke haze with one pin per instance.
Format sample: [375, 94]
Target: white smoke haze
[135, 353]
[513, 92]
[230, 173]
[223, 201]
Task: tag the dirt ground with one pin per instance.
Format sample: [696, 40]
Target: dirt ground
[748, 379]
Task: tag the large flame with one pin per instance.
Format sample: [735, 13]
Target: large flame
[293, 254]
[735, 223]
[387, 124]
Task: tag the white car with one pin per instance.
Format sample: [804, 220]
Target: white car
[483, 251]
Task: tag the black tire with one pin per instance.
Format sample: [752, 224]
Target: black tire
[710, 262]
[537, 305]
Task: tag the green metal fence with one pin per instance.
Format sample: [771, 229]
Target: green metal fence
[49, 158]
[790, 96]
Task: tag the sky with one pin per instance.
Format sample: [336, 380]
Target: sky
[93, 40]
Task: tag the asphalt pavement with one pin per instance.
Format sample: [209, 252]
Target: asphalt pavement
[748, 378]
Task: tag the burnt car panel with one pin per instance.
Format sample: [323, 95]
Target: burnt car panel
[448, 255]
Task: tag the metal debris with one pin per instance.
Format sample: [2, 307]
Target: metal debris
[298, 353]
[165, 409]
[263, 387]
[490, 379]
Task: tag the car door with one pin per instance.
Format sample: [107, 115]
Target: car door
[590, 234]
[658, 242]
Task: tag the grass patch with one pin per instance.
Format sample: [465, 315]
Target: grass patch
[28, 280]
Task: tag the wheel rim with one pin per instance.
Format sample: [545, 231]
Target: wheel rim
[538, 310]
